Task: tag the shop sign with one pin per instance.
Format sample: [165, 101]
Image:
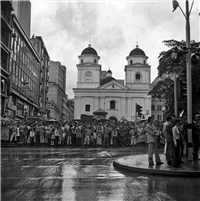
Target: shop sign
[11, 106]
[20, 102]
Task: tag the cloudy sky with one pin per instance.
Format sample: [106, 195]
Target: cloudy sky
[113, 29]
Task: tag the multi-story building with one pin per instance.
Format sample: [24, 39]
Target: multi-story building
[57, 86]
[44, 72]
[24, 71]
[6, 31]
[118, 98]
[22, 10]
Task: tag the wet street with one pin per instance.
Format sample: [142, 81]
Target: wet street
[75, 174]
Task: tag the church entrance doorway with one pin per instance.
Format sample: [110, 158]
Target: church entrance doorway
[113, 118]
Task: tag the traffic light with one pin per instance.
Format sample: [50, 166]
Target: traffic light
[195, 58]
[139, 110]
[177, 54]
[181, 89]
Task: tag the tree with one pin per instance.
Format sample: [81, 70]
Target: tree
[164, 88]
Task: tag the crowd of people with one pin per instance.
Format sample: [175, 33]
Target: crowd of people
[176, 139]
[106, 133]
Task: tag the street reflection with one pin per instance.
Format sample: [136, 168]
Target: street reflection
[85, 175]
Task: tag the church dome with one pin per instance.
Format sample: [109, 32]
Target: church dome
[137, 52]
[89, 50]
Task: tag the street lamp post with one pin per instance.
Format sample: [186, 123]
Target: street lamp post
[189, 78]
[189, 83]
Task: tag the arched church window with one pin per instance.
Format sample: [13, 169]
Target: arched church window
[95, 61]
[81, 60]
[131, 61]
[112, 104]
[144, 62]
[87, 108]
[137, 77]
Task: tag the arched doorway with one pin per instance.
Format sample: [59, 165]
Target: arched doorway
[113, 118]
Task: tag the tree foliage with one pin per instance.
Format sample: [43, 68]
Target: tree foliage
[164, 88]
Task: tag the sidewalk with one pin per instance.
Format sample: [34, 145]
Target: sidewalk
[139, 163]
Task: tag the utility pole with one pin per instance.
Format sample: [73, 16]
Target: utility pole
[175, 96]
[189, 83]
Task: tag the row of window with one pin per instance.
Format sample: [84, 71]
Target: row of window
[112, 106]
[159, 108]
[24, 67]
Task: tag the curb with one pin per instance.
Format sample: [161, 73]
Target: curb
[155, 171]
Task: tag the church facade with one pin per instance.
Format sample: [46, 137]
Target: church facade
[97, 89]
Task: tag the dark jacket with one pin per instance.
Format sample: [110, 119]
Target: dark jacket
[169, 134]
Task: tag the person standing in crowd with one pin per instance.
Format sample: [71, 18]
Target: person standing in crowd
[170, 142]
[182, 140]
[63, 134]
[115, 137]
[18, 134]
[195, 139]
[133, 137]
[25, 133]
[99, 140]
[21, 131]
[13, 137]
[52, 136]
[73, 135]
[106, 137]
[87, 136]
[32, 136]
[47, 134]
[177, 144]
[164, 132]
[56, 132]
[94, 138]
[151, 135]
[78, 135]
[42, 134]
[109, 134]
[37, 133]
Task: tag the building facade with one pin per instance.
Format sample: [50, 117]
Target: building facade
[97, 89]
[6, 31]
[56, 94]
[22, 11]
[24, 69]
[39, 45]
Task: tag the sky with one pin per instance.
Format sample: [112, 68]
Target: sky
[113, 28]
